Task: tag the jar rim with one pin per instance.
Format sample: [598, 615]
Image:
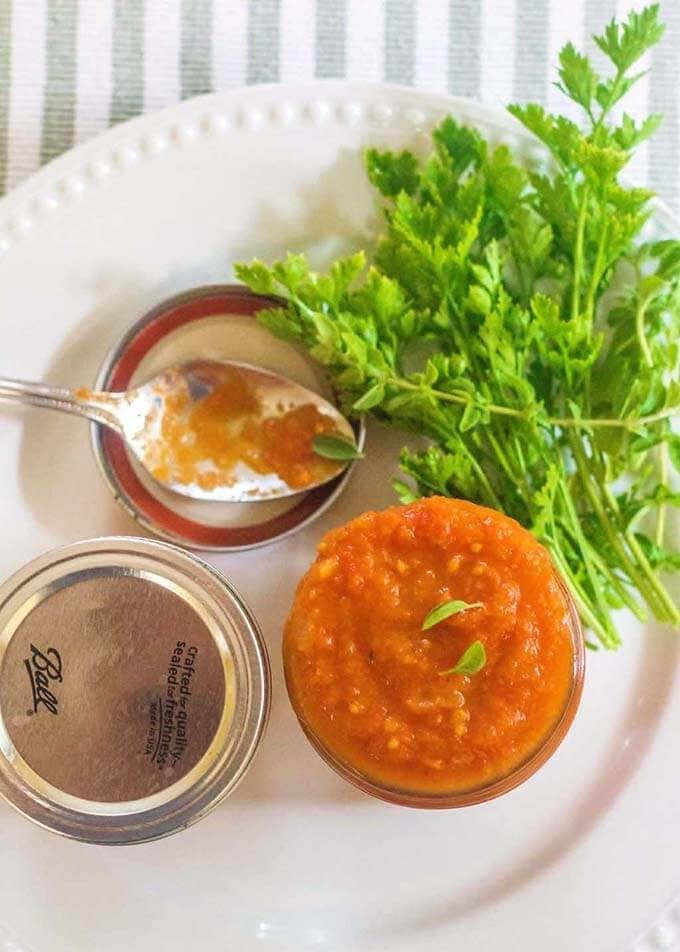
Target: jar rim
[489, 790]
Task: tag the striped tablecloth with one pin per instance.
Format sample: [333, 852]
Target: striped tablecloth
[70, 68]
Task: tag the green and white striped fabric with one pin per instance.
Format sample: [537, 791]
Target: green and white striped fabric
[70, 68]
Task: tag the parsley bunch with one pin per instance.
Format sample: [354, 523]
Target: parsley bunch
[518, 319]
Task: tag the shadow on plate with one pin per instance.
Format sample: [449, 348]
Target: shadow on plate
[340, 216]
[58, 473]
[589, 806]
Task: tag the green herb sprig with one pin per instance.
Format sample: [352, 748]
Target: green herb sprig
[470, 662]
[519, 319]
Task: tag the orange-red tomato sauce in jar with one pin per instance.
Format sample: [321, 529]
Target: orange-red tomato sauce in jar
[366, 681]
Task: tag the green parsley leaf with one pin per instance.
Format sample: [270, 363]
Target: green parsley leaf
[393, 172]
[370, 399]
[405, 492]
[578, 78]
[518, 322]
[625, 43]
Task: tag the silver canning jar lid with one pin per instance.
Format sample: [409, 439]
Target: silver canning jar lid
[134, 690]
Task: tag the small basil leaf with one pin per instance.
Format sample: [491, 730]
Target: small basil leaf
[335, 447]
[470, 662]
[445, 610]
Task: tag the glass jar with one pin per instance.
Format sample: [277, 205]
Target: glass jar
[488, 790]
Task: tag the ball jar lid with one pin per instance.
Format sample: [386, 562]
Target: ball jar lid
[134, 690]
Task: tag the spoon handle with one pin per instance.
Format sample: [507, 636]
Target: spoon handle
[95, 406]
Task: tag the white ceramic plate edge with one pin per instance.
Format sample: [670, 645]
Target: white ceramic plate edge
[68, 178]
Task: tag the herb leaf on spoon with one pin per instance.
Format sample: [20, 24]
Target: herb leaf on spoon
[332, 446]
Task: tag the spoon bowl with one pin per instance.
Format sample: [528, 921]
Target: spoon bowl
[213, 430]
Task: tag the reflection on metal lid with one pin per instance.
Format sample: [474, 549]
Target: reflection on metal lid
[134, 690]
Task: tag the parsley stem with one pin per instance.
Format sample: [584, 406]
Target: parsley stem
[669, 610]
[627, 423]
[578, 255]
[634, 562]
[606, 108]
[663, 478]
[640, 329]
[503, 459]
[481, 475]
[604, 519]
[596, 588]
[598, 270]
[464, 399]
[617, 584]
[590, 619]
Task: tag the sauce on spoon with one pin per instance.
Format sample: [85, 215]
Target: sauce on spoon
[205, 440]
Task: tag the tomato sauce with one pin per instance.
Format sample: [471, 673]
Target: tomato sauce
[367, 681]
[204, 442]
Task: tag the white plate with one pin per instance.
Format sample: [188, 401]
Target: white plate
[582, 858]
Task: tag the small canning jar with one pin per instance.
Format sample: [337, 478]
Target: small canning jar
[354, 649]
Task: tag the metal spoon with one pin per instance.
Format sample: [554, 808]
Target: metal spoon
[249, 420]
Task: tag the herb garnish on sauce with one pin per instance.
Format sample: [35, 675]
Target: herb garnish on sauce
[470, 662]
[453, 607]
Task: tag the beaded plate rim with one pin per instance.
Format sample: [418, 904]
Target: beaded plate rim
[248, 110]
